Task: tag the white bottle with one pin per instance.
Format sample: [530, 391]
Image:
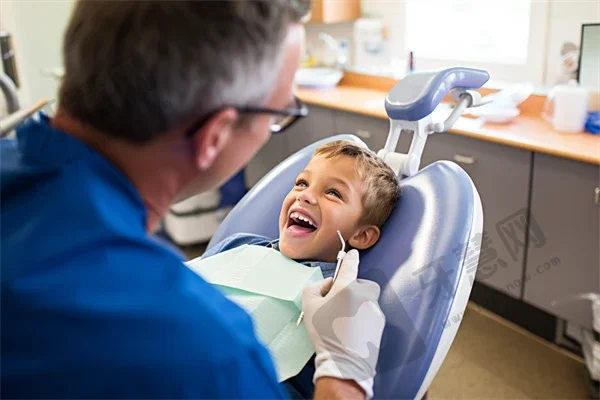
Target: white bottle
[566, 108]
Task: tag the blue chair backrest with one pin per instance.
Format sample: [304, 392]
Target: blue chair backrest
[419, 262]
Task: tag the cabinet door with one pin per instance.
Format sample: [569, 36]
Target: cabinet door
[562, 258]
[334, 11]
[268, 157]
[372, 131]
[501, 176]
[318, 125]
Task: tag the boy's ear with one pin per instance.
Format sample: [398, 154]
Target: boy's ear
[365, 237]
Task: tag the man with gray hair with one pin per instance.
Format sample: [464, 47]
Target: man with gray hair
[160, 101]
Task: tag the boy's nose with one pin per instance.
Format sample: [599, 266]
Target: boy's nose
[305, 197]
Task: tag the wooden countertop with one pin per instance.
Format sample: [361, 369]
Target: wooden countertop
[528, 131]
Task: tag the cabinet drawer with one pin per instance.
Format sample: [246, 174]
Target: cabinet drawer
[501, 176]
[372, 131]
[563, 253]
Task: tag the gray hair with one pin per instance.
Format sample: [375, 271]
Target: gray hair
[136, 69]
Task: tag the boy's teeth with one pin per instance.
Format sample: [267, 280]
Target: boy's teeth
[302, 218]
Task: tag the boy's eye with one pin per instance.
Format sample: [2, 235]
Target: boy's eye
[301, 183]
[334, 193]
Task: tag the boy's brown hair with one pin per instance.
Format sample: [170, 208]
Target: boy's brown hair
[382, 189]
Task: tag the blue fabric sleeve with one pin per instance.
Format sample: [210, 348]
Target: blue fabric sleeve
[101, 309]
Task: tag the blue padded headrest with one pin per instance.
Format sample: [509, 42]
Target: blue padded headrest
[418, 94]
[416, 261]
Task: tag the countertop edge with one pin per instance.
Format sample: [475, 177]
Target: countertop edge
[473, 134]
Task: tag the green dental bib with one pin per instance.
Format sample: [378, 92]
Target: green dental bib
[269, 287]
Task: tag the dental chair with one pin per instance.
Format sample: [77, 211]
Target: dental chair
[426, 258]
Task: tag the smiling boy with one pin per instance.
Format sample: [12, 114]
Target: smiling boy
[344, 187]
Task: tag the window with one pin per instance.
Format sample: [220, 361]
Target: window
[484, 23]
[505, 37]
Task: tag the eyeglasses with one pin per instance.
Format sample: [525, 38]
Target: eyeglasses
[284, 118]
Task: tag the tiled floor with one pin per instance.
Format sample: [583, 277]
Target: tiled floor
[492, 359]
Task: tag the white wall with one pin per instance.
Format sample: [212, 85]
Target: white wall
[566, 17]
[37, 29]
[564, 24]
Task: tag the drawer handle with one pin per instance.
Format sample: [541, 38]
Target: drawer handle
[363, 134]
[597, 195]
[459, 158]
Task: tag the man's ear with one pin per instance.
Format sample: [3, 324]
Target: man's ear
[212, 137]
[365, 237]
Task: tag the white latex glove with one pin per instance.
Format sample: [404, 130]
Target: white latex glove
[345, 324]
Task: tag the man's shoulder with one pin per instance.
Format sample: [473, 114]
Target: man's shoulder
[153, 319]
[184, 321]
[237, 240]
[196, 328]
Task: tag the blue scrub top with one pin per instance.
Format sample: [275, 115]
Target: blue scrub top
[93, 306]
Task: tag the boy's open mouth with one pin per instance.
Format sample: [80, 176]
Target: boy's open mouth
[300, 224]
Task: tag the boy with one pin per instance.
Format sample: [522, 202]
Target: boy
[344, 187]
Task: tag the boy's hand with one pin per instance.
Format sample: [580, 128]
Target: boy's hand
[345, 324]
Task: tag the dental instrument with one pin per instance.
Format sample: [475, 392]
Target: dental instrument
[340, 256]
